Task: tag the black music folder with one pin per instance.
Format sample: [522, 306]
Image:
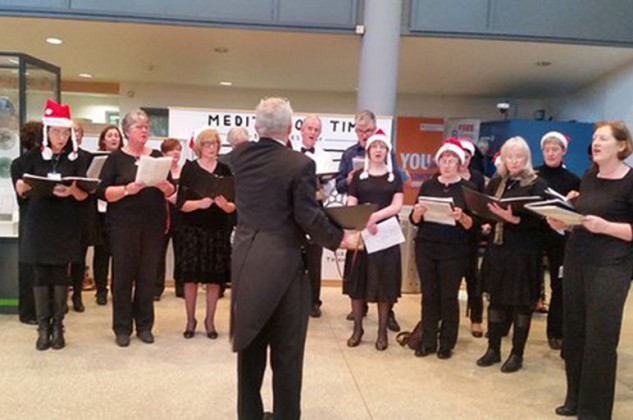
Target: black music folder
[42, 186]
[351, 217]
[478, 203]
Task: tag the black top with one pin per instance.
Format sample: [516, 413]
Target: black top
[52, 225]
[193, 174]
[611, 199]
[477, 179]
[375, 189]
[527, 233]
[559, 179]
[148, 207]
[443, 241]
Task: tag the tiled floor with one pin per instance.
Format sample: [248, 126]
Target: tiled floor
[189, 379]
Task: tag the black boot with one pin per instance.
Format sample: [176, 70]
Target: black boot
[519, 338]
[41, 295]
[60, 294]
[514, 363]
[495, 330]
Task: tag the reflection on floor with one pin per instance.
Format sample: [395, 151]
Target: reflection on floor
[92, 378]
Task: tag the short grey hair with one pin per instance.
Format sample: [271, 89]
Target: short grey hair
[132, 118]
[273, 116]
[237, 135]
[365, 116]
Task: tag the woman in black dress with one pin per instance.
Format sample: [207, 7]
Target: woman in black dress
[110, 140]
[473, 288]
[374, 277]
[441, 253]
[511, 270]
[597, 275]
[560, 179]
[171, 148]
[52, 240]
[205, 233]
[136, 218]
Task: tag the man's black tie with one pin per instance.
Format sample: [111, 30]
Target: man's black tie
[311, 150]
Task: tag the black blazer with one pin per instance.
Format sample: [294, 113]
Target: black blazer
[275, 198]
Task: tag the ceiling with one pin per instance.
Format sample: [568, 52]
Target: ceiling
[130, 52]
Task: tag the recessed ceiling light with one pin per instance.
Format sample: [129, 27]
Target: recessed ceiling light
[543, 63]
[226, 83]
[221, 50]
[85, 75]
[54, 41]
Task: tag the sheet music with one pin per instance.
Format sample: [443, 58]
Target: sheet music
[94, 170]
[151, 170]
[389, 234]
[438, 210]
[568, 217]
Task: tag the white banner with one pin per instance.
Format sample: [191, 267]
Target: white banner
[462, 127]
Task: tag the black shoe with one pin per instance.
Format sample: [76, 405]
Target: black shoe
[513, 364]
[145, 336]
[555, 343]
[444, 354]
[212, 335]
[424, 351]
[43, 338]
[268, 416]
[392, 324]
[189, 333]
[355, 339]
[102, 299]
[490, 358]
[122, 340]
[57, 336]
[315, 311]
[29, 321]
[78, 305]
[566, 411]
[382, 344]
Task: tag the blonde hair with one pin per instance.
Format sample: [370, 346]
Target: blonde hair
[205, 136]
[527, 174]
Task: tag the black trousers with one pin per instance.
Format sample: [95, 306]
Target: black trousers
[135, 255]
[77, 273]
[101, 258]
[26, 301]
[554, 248]
[159, 286]
[440, 288]
[313, 257]
[285, 334]
[473, 288]
[594, 299]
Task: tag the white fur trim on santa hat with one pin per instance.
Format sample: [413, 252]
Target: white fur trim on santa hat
[563, 139]
[467, 145]
[450, 147]
[57, 122]
[382, 137]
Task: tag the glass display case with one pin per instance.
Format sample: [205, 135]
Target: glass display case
[25, 85]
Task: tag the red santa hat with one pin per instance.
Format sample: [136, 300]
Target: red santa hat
[562, 138]
[496, 159]
[57, 115]
[467, 145]
[451, 145]
[379, 135]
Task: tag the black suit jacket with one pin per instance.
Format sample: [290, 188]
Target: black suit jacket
[275, 197]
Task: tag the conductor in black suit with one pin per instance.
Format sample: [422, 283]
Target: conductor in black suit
[270, 299]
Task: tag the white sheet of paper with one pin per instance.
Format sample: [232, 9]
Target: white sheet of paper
[438, 211]
[389, 234]
[94, 170]
[566, 216]
[151, 170]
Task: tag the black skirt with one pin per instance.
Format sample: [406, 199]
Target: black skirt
[375, 277]
[205, 254]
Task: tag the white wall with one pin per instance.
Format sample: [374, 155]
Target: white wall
[608, 98]
[91, 107]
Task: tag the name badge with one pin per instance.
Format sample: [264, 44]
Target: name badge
[54, 176]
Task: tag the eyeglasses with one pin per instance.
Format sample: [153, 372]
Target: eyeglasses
[450, 161]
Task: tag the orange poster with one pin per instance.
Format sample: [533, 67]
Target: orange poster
[417, 140]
